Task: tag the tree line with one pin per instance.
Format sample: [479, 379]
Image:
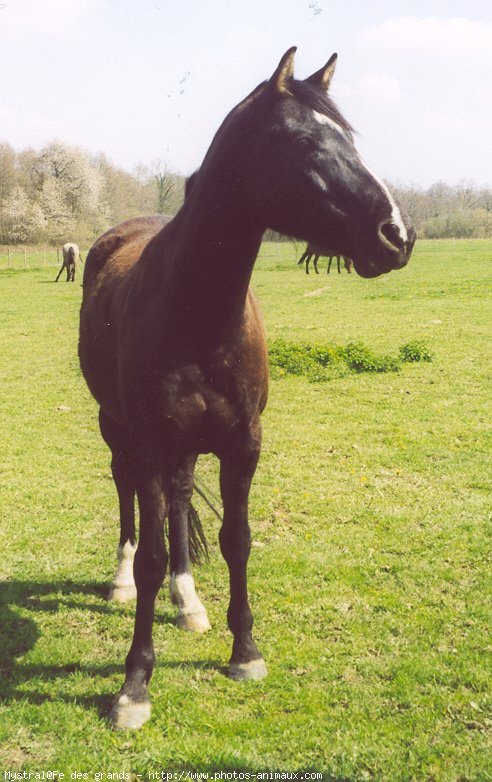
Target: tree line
[63, 193]
[444, 211]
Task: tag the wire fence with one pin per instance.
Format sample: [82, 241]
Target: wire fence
[38, 258]
[27, 258]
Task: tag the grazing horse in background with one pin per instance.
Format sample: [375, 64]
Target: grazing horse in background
[172, 343]
[71, 256]
[347, 263]
[312, 253]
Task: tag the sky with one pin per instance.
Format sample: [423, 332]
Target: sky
[147, 80]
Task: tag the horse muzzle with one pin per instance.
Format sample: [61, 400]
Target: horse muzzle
[393, 251]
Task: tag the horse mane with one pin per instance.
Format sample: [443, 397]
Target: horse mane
[317, 99]
[189, 182]
[310, 95]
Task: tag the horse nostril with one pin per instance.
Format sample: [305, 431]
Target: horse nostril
[390, 235]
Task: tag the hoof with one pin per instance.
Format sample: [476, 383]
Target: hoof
[129, 715]
[194, 623]
[251, 671]
[122, 594]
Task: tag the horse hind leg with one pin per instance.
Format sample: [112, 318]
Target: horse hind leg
[191, 613]
[236, 473]
[123, 585]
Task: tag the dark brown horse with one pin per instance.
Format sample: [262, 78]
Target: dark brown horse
[173, 348]
[313, 254]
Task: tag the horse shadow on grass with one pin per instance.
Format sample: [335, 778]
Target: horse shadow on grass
[20, 604]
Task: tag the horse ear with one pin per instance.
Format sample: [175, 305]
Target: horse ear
[285, 71]
[323, 77]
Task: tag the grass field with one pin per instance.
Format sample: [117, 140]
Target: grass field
[371, 520]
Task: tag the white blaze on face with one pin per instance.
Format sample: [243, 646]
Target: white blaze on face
[396, 217]
[324, 120]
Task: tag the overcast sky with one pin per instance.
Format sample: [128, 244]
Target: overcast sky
[152, 79]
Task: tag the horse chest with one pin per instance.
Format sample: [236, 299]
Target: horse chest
[205, 403]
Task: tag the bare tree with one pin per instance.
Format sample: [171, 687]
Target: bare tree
[486, 199]
[165, 181]
[467, 195]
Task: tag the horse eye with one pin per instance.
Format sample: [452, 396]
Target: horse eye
[305, 142]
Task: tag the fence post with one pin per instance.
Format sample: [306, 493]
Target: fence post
[10, 259]
[58, 255]
[44, 256]
[25, 258]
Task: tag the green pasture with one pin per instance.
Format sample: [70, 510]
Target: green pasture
[370, 569]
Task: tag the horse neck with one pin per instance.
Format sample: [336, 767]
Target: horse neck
[214, 243]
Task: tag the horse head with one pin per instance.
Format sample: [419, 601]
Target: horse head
[291, 154]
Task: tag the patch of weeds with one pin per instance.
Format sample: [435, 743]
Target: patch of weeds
[290, 358]
[317, 362]
[360, 358]
[414, 351]
[320, 363]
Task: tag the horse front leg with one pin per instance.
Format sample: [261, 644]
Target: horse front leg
[237, 468]
[131, 708]
[191, 613]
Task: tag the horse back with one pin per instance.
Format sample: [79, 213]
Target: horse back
[117, 250]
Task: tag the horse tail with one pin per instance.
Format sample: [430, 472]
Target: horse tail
[196, 536]
[71, 255]
[197, 541]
